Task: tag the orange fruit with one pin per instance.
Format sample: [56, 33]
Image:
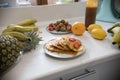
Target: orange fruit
[78, 28]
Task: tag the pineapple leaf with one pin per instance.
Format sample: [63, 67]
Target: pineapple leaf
[32, 42]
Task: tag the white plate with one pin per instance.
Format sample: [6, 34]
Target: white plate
[57, 32]
[58, 55]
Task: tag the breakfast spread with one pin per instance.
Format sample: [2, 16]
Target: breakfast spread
[65, 45]
[23, 37]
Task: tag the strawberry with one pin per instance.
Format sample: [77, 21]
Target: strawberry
[72, 39]
[55, 24]
[69, 29]
[50, 29]
[77, 44]
[66, 23]
[57, 28]
[51, 25]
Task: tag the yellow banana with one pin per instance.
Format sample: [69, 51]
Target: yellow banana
[22, 29]
[7, 30]
[18, 35]
[116, 37]
[117, 24]
[32, 25]
[27, 22]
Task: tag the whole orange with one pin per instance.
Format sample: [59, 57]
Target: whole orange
[78, 28]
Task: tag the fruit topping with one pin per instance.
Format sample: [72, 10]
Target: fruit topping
[72, 39]
[77, 44]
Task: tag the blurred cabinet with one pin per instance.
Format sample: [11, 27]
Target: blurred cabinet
[109, 70]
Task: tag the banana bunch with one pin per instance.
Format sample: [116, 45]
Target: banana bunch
[115, 31]
[18, 30]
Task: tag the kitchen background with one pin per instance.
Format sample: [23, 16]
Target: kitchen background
[16, 3]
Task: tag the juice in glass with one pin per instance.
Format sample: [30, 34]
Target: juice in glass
[91, 10]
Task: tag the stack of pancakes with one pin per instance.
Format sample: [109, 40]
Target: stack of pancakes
[64, 45]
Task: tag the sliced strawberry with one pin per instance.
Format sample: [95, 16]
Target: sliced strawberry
[77, 44]
[72, 39]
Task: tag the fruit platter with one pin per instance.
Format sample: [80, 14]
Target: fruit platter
[59, 27]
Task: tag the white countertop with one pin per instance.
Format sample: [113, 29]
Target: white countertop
[37, 65]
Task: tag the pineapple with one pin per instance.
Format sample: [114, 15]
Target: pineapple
[10, 48]
[9, 52]
[32, 42]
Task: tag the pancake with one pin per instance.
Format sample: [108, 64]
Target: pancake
[49, 46]
[58, 45]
